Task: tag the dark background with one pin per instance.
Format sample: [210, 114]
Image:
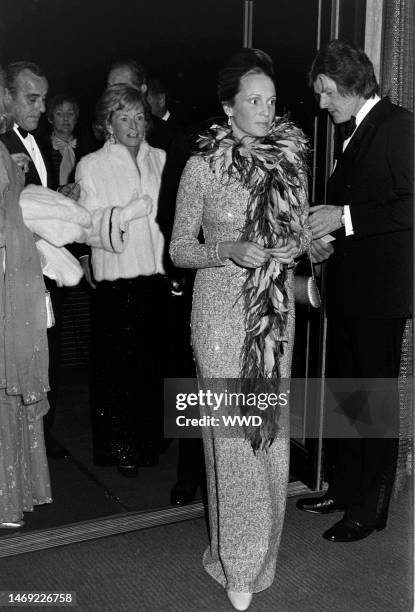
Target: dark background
[184, 41]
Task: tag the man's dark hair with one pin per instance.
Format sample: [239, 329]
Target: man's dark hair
[156, 85]
[245, 61]
[15, 68]
[349, 67]
[138, 72]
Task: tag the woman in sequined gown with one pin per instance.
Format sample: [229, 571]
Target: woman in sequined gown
[246, 490]
[24, 474]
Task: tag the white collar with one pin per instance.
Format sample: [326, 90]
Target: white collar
[366, 108]
[16, 130]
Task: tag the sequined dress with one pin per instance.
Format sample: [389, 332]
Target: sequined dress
[24, 473]
[246, 493]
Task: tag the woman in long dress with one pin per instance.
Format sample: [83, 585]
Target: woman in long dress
[246, 188]
[24, 474]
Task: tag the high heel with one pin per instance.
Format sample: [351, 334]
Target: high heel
[11, 525]
[240, 601]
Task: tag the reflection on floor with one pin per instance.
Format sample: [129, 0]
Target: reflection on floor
[82, 491]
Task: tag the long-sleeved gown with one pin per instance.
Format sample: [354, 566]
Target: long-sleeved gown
[246, 492]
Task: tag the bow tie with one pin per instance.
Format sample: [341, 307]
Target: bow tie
[23, 133]
[347, 128]
[342, 132]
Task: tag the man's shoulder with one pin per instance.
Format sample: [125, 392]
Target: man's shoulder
[386, 110]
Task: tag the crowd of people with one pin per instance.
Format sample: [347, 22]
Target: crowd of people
[234, 206]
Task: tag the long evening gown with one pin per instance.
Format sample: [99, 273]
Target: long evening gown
[246, 492]
[24, 473]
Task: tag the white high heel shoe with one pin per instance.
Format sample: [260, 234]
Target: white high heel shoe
[11, 525]
[240, 601]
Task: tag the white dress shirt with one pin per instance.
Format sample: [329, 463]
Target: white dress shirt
[33, 150]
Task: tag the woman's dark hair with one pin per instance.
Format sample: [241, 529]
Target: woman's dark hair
[349, 67]
[60, 99]
[245, 61]
[120, 97]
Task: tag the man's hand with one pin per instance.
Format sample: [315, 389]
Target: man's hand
[320, 250]
[22, 160]
[325, 219]
[70, 190]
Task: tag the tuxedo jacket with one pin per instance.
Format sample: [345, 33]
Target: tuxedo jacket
[14, 145]
[370, 273]
[172, 138]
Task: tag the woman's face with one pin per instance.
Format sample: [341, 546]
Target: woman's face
[253, 108]
[64, 120]
[128, 126]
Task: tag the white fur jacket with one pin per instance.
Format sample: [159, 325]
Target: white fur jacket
[55, 220]
[122, 200]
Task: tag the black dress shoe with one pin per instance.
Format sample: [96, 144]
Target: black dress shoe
[181, 496]
[128, 469]
[127, 459]
[348, 530]
[320, 505]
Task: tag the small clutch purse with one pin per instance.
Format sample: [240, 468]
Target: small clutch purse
[306, 291]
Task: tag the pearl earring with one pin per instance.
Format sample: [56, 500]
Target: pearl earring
[229, 120]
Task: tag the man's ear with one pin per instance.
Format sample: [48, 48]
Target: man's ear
[144, 88]
[7, 96]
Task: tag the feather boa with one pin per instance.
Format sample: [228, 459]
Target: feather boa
[273, 169]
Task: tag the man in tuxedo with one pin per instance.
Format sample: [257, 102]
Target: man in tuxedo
[26, 92]
[369, 212]
[26, 98]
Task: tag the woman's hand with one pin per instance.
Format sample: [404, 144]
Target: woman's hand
[285, 253]
[245, 254]
[86, 268]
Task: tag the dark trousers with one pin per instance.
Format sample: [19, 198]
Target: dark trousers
[364, 467]
[127, 325]
[180, 364]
